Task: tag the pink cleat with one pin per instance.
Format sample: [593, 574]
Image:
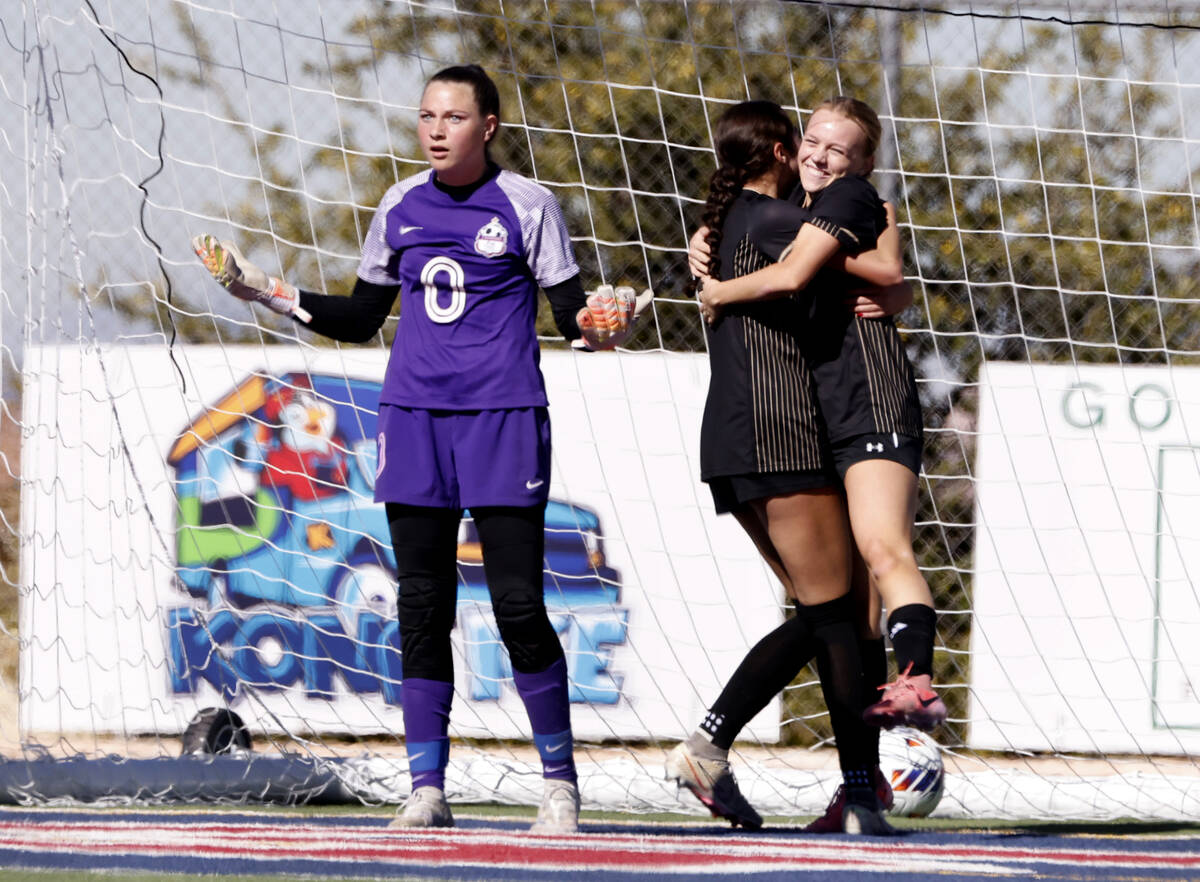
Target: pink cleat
[908, 701]
[832, 820]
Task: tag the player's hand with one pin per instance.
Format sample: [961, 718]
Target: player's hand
[609, 318]
[698, 253]
[709, 310]
[244, 280]
[880, 302]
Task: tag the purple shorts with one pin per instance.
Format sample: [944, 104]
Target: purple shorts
[462, 459]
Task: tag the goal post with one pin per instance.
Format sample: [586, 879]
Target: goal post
[1044, 161]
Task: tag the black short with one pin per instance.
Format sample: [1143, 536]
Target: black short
[731, 492]
[903, 449]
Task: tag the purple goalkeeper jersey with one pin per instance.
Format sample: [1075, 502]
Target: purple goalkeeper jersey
[469, 268]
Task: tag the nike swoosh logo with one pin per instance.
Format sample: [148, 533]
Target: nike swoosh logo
[533, 485]
[404, 231]
[897, 628]
[554, 748]
[925, 702]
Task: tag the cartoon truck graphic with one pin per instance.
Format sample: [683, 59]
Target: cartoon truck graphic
[275, 506]
[278, 538]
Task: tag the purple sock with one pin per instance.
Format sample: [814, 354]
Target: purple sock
[546, 702]
[426, 721]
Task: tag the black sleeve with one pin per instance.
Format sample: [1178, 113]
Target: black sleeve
[775, 225]
[353, 319]
[566, 299]
[851, 211]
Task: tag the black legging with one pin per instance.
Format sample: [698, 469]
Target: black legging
[425, 541]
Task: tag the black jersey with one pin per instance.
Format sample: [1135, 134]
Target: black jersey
[761, 413]
[864, 380]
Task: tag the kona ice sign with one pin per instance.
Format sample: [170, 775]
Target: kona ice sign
[279, 537]
[256, 570]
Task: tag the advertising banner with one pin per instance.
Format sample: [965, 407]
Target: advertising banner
[1086, 630]
[204, 533]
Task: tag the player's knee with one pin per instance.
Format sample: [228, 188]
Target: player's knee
[425, 608]
[526, 630]
[425, 604]
[885, 556]
[817, 584]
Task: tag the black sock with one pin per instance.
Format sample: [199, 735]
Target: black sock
[839, 663]
[768, 667]
[911, 630]
[859, 789]
[875, 674]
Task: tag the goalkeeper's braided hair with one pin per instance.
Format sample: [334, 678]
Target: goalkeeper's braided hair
[745, 139]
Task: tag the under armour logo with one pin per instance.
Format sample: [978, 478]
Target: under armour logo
[874, 448]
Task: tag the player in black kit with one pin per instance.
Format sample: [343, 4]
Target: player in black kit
[766, 457]
[865, 387]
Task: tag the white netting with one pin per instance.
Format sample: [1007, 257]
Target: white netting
[1043, 158]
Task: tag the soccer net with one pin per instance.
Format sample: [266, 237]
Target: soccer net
[1044, 161]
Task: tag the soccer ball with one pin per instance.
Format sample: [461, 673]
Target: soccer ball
[911, 762]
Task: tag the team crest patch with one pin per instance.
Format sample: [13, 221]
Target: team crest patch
[492, 238]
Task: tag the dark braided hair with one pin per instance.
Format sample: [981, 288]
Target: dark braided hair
[745, 139]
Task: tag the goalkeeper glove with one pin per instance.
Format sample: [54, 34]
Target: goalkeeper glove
[246, 281]
[609, 317]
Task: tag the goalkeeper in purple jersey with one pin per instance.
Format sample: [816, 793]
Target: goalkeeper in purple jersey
[463, 419]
